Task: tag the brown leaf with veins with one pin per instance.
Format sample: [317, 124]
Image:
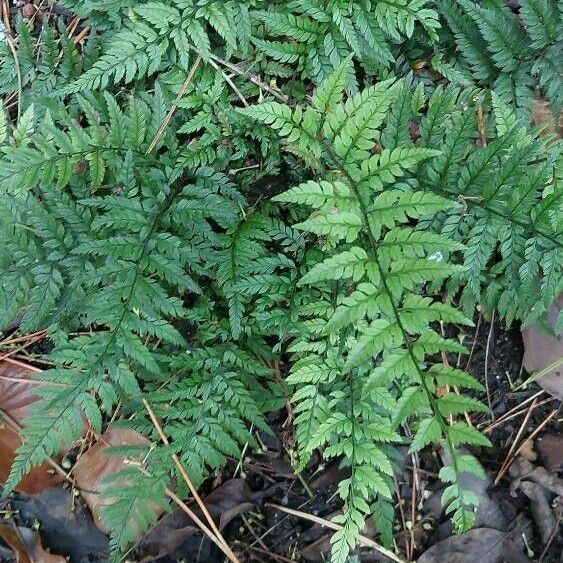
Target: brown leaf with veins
[15, 397]
[94, 466]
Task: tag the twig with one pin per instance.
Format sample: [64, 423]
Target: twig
[331, 525]
[253, 78]
[10, 42]
[39, 334]
[21, 364]
[172, 110]
[481, 126]
[188, 481]
[498, 422]
[270, 554]
[252, 532]
[474, 342]
[403, 519]
[489, 337]
[510, 458]
[229, 81]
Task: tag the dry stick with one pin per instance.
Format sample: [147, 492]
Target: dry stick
[331, 525]
[498, 422]
[474, 342]
[408, 548]
[188, 481]
[228, 80]
[39, 334]
[487, 365]
[269, 553]
[508, 462]
[21, 364]
[253, 78]
[515, 442]
[172, 110]
[509, 414]
[328, 524]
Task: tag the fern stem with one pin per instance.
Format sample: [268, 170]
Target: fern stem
[374, 255]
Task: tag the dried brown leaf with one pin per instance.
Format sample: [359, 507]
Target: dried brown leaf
[15, 397]
[95, 465]
[26, 545]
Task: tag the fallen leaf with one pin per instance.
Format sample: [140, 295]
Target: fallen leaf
[95, 465]
[480, 544]
[550, 447]
[523, 469]
[26, 545]
[540, 509]
[177, 537]
[15, 397]
[65, 524]
[542, 349]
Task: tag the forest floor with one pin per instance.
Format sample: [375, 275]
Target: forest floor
[268, 513]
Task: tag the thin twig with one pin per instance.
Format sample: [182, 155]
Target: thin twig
[188, 481]
[489, 337]
[39, 334]
[21, 364]
[498, 422]
[252, 78]
[508, 462]
[229, 81]
[10, 42]
[474, 341]
[331, 525]
[172, 110]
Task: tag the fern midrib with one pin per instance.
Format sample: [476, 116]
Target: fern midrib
[373, 251]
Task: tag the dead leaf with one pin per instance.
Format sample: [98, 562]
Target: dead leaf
[484, 545]
[26, 545]
[94, 466]
[550, 447]
[66, 525]
[542, 349]
[177, 537]
[15, 397]
[541, 511]
[523, 469]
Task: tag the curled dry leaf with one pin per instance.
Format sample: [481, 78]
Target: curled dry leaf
[65, 524]
[542, 349]
[176, 535]
[95, 465]
[480, 544]
[15, 397]
[26, 545]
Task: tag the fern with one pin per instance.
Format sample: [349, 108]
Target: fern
[508, 52]
[147, 183]
[511, 208]
[364, 309]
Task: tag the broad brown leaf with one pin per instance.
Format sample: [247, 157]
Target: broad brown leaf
[95, 465]
[15, 397]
